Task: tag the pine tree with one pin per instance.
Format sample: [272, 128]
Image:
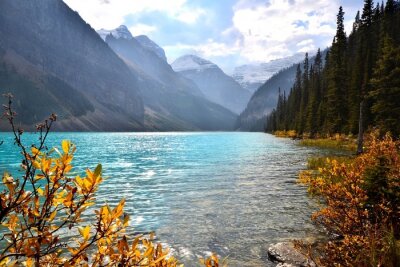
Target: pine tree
[367, 14]
[304, 94]
[357, 22]
[354, 58]
[297, 99]
[337, 92]
[390, 20]
[314, 95]
[386, 89]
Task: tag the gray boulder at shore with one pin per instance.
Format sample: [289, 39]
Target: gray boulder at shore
[286, 255]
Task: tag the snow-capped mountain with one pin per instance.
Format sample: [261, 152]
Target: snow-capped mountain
[171, 101]
[192, 62]
[147, 43]
[252, 76]
[213, 82]
[120, 32]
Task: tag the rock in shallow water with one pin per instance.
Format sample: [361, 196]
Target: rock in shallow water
[287, 256]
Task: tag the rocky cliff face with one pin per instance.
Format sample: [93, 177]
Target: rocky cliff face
[45, 44]
[213, 82]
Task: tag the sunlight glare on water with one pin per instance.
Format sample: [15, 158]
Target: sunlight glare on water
[231, 193]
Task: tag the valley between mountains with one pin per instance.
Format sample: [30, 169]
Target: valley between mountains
[110, 80]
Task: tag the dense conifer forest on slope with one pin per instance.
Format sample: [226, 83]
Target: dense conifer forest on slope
[359, 82]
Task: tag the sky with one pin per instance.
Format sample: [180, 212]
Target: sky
[228, 32]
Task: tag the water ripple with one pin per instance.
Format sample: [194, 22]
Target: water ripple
[231, 193]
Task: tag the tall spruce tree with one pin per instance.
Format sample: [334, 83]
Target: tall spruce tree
[386, 89]
[305, 86]
[314, 95]
[368, 12]
[337, 91]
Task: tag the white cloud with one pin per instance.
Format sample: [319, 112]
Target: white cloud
[206, 50]
[190, 16]
[305, 42]
[307, 49]
[306, 45]
[279, 28]
[142, 29]
[111, 13]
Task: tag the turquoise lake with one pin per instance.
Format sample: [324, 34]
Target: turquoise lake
[231, 193]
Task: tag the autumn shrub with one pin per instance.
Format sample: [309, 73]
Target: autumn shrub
[289, 134]
[314, 163]
[48, 200]
[361, 206]
[332, 143]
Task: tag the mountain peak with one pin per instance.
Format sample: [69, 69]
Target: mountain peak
[149, 44]
[121, 32]
[192, 62]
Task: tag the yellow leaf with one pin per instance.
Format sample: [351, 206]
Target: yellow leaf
[40, 191]
[84, 232]
[148, 252]
[160, 259]
[36, 164]
[97, 171]
[119, 209]
[136, 242]
[52, 215]
[35, 151]
[65, 144]
[29, 262]
[9, 182]
[67, 168]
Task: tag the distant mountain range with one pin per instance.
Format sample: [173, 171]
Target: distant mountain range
[172, 102]
[53, 61]
[264, 100]
[252, 76]
[215, 85]
[110, 80]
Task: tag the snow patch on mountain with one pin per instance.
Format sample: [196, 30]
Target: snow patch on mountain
[120, 32]
[192, 62]
[252, 76]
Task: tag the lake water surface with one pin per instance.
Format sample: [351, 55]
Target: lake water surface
[231, 193]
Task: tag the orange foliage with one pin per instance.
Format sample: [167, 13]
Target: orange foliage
[361, 209]
[289, 134]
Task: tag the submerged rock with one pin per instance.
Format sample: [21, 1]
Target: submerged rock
[287, 256]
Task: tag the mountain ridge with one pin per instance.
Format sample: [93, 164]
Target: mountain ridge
[52, 40]
[168, 96]
[215, 85]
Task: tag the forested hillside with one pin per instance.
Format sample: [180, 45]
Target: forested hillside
[360, 81]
